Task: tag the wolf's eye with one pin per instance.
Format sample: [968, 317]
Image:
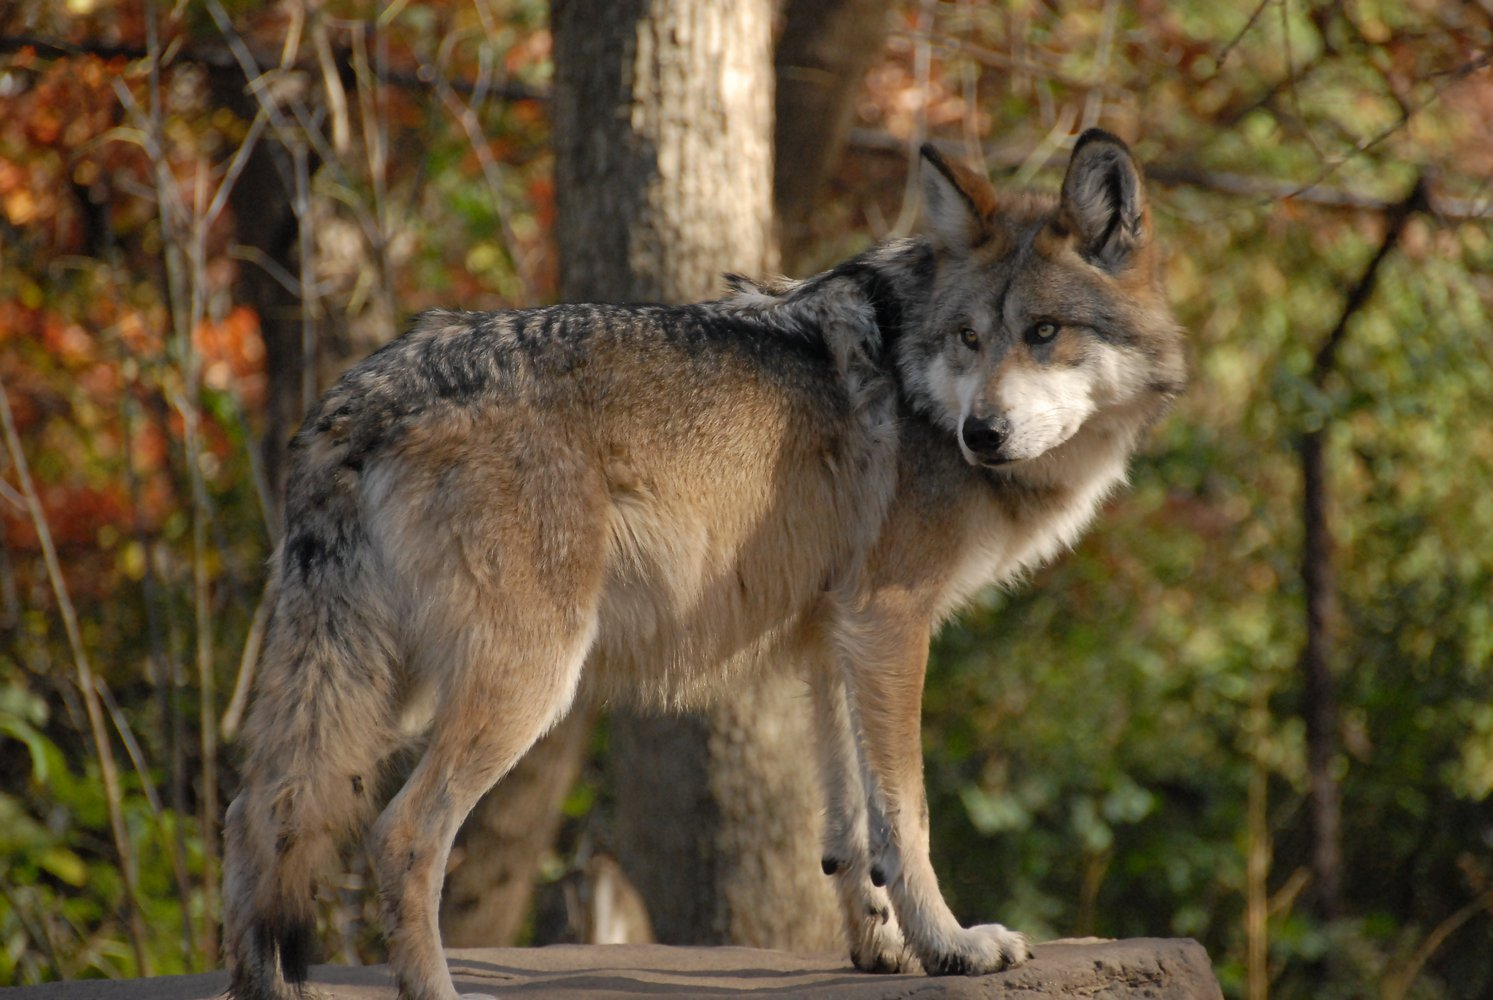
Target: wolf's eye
[1042, 332]
[969, 338]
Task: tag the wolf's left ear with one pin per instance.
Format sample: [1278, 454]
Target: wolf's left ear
[957, 202]
[1104, 201]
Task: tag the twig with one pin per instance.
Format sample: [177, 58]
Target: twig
[1399, 215]
[164, 670]
[142, 768]
[39, 932]
[922, 61]
[1452, 77]
[185, 283]
[1397, 985]
[1093, 102]
[233, 715]
[1292, 90]
[219, 57]
[1009, 157]
[108, 770]
[371, 106]
[1234, 42]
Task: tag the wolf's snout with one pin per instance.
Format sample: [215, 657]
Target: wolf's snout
[985, 436]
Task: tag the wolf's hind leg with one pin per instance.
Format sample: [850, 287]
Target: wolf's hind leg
[507, 687]
[871, 928]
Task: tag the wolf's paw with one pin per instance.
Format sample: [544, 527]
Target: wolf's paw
[878, 945]
[978, 951]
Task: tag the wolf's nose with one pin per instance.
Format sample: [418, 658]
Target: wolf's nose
[985, 437]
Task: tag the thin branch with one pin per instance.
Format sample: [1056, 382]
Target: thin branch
[219, 56]
[233, 715]
[175, 849]
[1325, 361]
[185, 290]
[108, 769]
[164, 670]
[1093, 102]
[1453, 77]
[1234, 42]
[1008, 157]
[922, 63]
[1293, 89]
[1397, 985]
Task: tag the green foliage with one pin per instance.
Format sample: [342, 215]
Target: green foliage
[61, 897]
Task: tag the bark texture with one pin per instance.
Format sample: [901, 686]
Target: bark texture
[1319, 680]
[823, 54]
[663, 117]
[265, 221]
[491, 883]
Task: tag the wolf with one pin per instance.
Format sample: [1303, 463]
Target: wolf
[498, 511]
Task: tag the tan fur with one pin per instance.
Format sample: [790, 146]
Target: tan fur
[498, 512]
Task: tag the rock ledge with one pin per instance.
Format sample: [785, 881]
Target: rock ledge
[1092, 969]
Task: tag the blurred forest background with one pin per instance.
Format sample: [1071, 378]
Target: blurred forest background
[1254, 707]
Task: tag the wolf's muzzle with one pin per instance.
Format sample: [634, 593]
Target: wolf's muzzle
[985, 436]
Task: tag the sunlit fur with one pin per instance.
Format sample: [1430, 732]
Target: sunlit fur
[500, 512]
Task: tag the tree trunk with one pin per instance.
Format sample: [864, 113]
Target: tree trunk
[663, 128]
[491, 880]
[1319, 687]
[823, 55]
[265, 222]
[1319, 683]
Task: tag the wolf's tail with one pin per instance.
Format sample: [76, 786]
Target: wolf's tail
[321, 725]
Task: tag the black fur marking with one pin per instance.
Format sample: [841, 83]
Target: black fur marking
[952, 964]
[304, 551]
[1114, 185]
[697, 328]
[297, 946]
[456, 368]
[885, 301]
[830, 865]
[878, 876]
[357, 784]
[518, 329]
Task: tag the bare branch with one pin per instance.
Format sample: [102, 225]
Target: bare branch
[1010, 157]
[1399, 214]
[1234, 42]
[220, 56]
[108, 769]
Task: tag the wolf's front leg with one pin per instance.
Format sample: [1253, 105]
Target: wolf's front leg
[875, 938]
[886, 667]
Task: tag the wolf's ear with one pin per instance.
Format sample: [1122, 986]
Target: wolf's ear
[1104, 201]
[957, 203]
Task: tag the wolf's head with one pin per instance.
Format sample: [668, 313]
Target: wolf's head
[1047, 319]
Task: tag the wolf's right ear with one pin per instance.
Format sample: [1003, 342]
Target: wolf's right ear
[957, 203]
[1104, 201]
